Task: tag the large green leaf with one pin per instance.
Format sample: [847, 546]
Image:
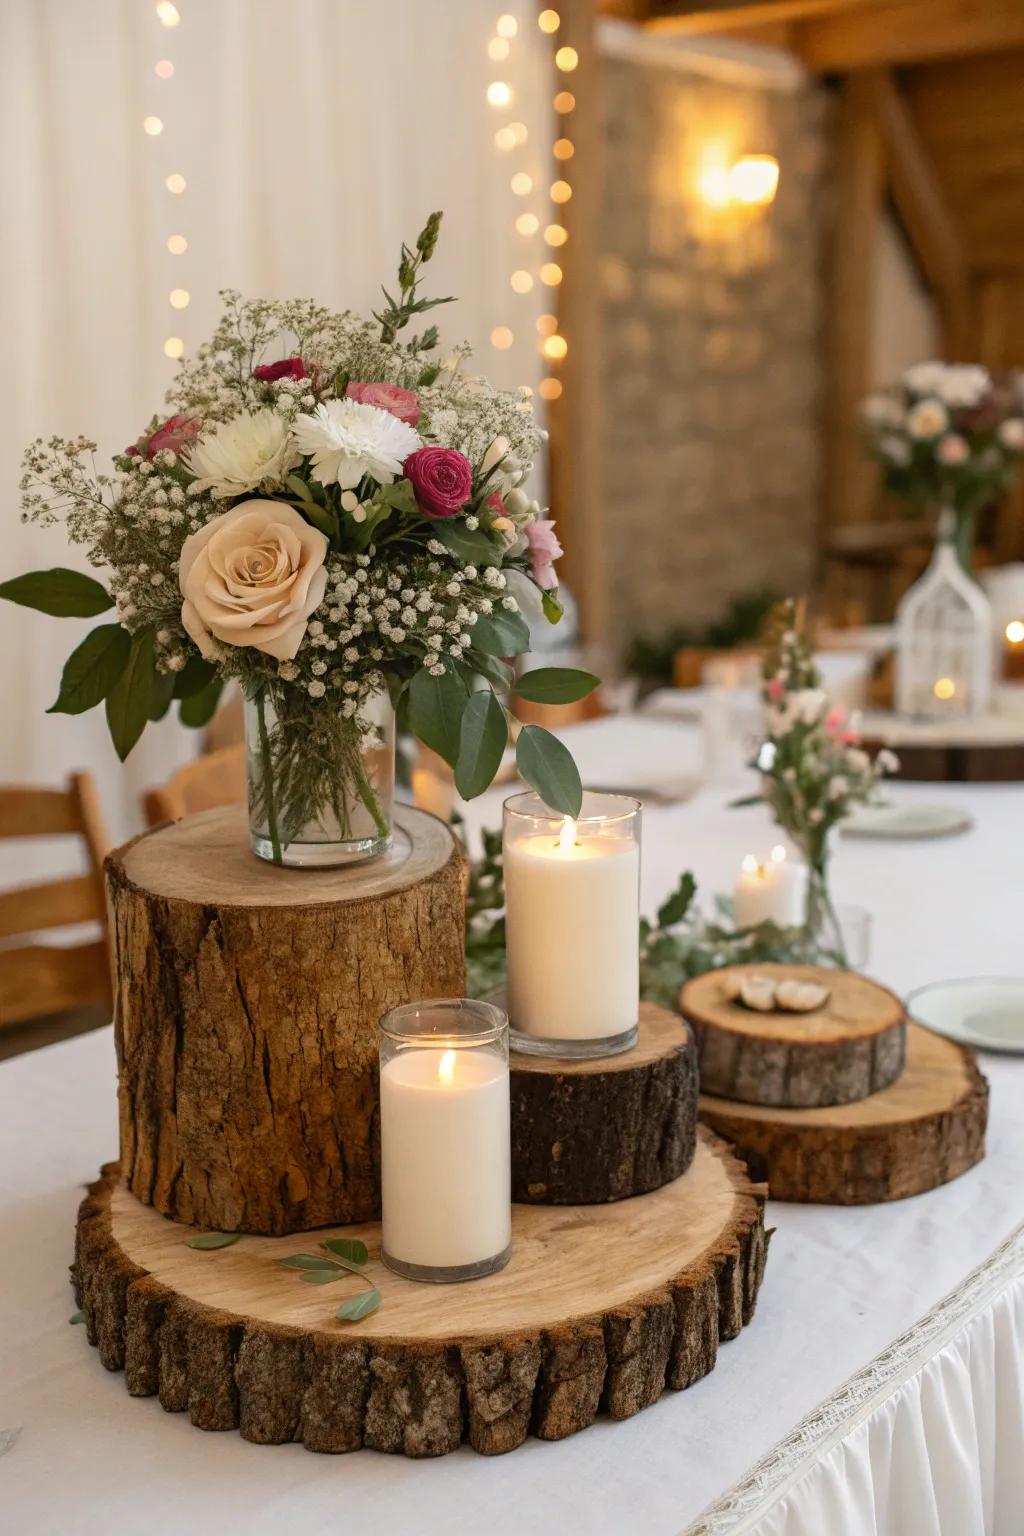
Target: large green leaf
[556, 685]
[501, 634]
[92, 669]
[482, 744]
[548, 768]
[194, 676]
[64, 594]
[161, 692]
[435, 711]
[200, 707]
[128, 702]
[471, 546]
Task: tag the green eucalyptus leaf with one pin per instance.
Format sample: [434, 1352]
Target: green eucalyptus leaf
[92, 669]
[323, 1276]
[678, 904]
[400, 496]
[501, 633]
[435, 711]
[470, 546]
[193, 677]
[309, 1261]
[214, 1239]
[62, 593]
[482, 742]
[556, 685]
[496, 671]
[128, 702]
[77, 1317]
[553, 609]
[322, 518]
[357, 1307]
[348, 1248]
[299, 486]
[548, 767]
[199, 708]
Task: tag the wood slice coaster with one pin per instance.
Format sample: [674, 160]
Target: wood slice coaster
[852, 1046]
[246, 1003]
[927, 1128]
[604, 1306]
[589, 1131]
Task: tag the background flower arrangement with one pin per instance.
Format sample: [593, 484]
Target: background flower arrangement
[329, 515]
[947, 435]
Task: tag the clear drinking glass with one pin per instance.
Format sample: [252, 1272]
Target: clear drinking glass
[446, 1162]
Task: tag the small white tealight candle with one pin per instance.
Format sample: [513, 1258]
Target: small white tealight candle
[446, 1180]
[775, 892]
[572, 911]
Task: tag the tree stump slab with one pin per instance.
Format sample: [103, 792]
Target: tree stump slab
[584, 1132]
[852, 1046]
[599, 1307]
[246, 1003]
[924, 1130]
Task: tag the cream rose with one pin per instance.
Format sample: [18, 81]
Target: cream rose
[252, 576]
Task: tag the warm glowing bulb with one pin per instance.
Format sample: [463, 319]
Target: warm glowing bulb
[750, 865]
[778, 854]
[175, 183]
[152, 126]
[566, 59]
[556, 347]
[506, 26]
[567, 836]
[713, 186]
[556, 235]
[497, 49]
[505, 138]
[527, 224]
[548, 21]
[551, 273]
[754, 180]
[168, 13]
[564, 102]
[177, 245]
[944, 688]
[180, 298]
[547, 325]
[560, 191]
[163, 69]
[521, 184]
[499, 94]
[173, 346]
[521, 282]
[564, 149]
[502, 338]
[446, 1066]
[520, 132]
[550, 389]
[1015, 631]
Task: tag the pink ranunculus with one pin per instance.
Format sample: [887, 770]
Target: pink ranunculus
[834, 721]
[287, 368]
[176, 433]
[496, 504]
[776, 689]
[387, 397]
[441, 479]
[544, 551]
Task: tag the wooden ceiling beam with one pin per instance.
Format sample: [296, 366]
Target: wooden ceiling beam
[907, 32]
[683, 20]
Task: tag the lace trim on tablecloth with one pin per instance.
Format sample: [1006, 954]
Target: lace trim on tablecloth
[858, 1398]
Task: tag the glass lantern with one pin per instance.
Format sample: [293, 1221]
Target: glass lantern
[944, 639]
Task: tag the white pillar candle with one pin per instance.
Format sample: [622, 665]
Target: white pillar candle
[774, 892]
[572, 911]
[446, 1176]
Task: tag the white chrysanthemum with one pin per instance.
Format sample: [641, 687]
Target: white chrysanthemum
[253, 451]
[927, 419]
[347, 440]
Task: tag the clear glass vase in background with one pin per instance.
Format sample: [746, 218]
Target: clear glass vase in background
[321, 787]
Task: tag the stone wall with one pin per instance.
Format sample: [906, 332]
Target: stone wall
[713, 347]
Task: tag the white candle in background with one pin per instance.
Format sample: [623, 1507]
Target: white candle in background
[572, 911]
[446, 1180]
[775, 892]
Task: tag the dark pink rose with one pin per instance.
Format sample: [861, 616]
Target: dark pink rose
[441, 479]
[496, 504]
[387, 397]
[287, 368]
[544, 551]
[174, 434]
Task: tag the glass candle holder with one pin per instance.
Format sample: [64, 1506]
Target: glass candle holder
[446, 1175]
[572, 913]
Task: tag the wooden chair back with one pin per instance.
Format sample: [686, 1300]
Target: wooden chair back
[36, 979]
[216, 779]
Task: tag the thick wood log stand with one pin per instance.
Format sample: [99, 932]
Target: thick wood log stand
[925, 1129]
[599, 1308]
[246, 1004]
[851, 1046]
[589, 1131]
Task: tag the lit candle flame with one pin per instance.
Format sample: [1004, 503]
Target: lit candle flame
[945, 688]
[778, 854]
[1015, 631]
[446, 1067]
[751, 866]
[567, 836]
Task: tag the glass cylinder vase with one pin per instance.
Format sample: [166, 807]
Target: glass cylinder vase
[321, 784]
[445, 1138]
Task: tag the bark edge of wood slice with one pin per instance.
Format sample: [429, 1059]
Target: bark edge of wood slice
[924, 1130]
[851, 1047]
[585, 1132]
[239, 1342]
[246, 1003]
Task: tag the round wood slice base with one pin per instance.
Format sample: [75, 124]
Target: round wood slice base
[927, 1128]
[598, 1308]
[584, 1132]
[852, 1046]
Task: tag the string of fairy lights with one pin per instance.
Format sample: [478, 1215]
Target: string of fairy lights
[510, 138]
[169, 17]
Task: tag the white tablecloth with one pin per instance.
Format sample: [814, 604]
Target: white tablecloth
[841, 1285]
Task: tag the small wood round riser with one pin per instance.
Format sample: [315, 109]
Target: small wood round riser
[584, 1132]
[924, 1130]
[247, 999]
[602, 1307]
[853, 1046]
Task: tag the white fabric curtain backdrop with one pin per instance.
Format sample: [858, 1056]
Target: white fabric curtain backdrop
[313, 136]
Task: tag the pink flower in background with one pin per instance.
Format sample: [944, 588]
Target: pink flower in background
[287, 368]
[953, 450]
[387, 397]
[776, 689]
[496, 504]
[834, 721]
[174, 434]
[544, 551]
[441, 479]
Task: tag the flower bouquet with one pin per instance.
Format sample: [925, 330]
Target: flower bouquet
[812, 766]
[948, 437]
[333, 518]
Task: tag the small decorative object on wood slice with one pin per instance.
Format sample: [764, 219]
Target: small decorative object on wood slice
[603, 1307]
[849, 1047]
[246, 1004]
[586, 1131]
[925, 1129]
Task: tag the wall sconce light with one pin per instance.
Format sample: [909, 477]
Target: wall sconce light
[750, 182]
